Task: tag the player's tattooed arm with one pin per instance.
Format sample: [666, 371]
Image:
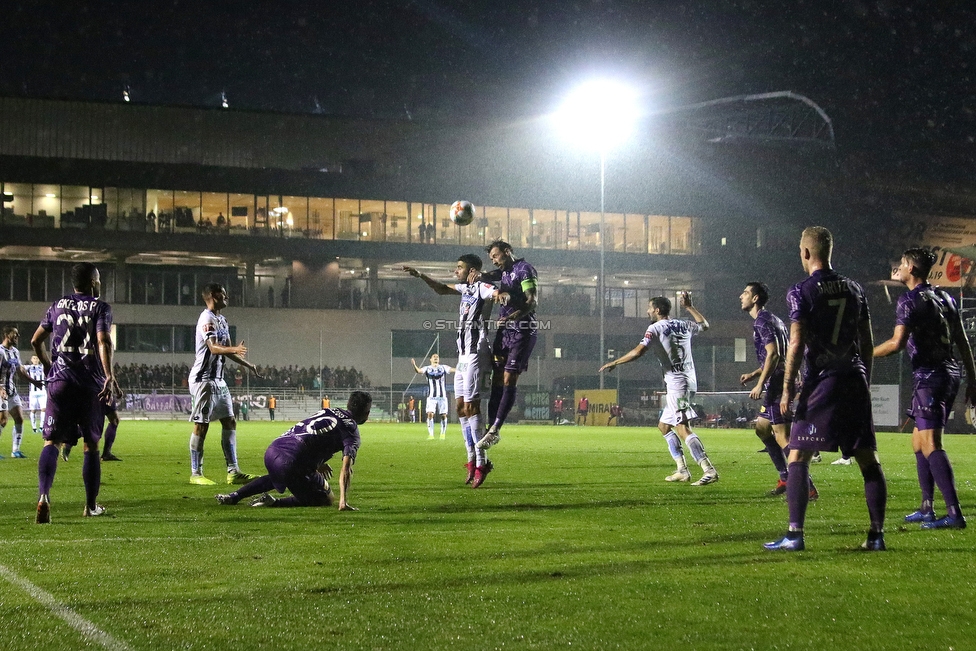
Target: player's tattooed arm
[794, 350]
[438, 287]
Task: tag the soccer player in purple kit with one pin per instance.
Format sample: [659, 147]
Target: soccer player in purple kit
[297, 460]
[830, 327]
[928, 324]
[80, 382]
[518, 293]
[770, 338]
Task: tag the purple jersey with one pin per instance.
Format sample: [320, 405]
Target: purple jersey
[75, 321]
[832, 308]
[929, 314]
[314, 440]
[517, 282]
[769, 329]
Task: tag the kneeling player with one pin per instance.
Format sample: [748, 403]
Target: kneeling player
[297, 460]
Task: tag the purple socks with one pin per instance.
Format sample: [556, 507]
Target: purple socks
[47, 465]
[109, 437]
[941, 472]
[925, 481]
[776, 454]
[798, 494]
[504, 406]
[494, 400]
[91, 473]
[875, 494]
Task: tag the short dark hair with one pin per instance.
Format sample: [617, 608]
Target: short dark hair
[760, 291]
[472, 260]
[211, 288]
[359, 404]
[82, 275]
[501, 244]
[661, 304]
[7, 329]
[921, 260]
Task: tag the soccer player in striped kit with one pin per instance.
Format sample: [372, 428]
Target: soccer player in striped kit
[38, 394]
[436, 374]
[209, 391]
[11, 398]
[474, 356]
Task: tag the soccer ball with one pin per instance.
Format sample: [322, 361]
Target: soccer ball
[462, 213]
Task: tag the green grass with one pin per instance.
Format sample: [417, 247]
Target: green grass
[573, 542]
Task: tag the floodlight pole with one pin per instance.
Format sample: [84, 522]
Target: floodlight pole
[602, 291]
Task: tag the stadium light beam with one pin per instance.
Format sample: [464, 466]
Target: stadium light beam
[600, 114]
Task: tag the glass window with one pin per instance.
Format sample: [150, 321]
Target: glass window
[658, 234]
[614, 225]
[296, 215]
[240, 213]
[445, 228]
[160, 203]
[74, 206]
[589, 231]
[20, 211]
[397, 221]
[5, 279]
[46, 202]
[636, 233]
[372, 220]
[682, 240]
[519, 228]
[213, 207]
[186, 211]
[497, 226]
[544, 229]
[347, 219]
[322, 217]
[474, 233]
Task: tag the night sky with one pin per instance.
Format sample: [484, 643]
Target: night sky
[897, 81]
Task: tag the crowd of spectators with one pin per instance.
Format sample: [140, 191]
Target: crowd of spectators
[311, 378]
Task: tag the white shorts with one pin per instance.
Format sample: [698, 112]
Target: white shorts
[678, 408]
[211, 401]
[471, 374]
[437, 405]
[38, 401]
[11, 402]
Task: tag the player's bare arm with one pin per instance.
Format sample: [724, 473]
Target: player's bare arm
[638, 351]
[246, 364]
[416, 369]
[866, 343]
[37, 344]
[111, 387]
[438, 287]
[345, 478]
[745, 377]
[793, 352]
[897, 342]
[21, 371]
[772, 359]
[693, 311]
[217, 349]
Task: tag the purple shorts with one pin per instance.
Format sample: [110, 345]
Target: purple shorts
[73, 412]
[834, 411]
[512, 348]
[770, 406]
[288, 471]
[932, 398]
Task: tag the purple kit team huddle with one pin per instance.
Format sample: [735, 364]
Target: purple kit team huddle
[829, 337]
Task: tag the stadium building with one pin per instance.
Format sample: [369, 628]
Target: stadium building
[309, 219]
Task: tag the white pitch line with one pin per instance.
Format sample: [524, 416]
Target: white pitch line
[76, 621]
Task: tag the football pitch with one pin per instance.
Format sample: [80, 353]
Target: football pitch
[574, 542]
